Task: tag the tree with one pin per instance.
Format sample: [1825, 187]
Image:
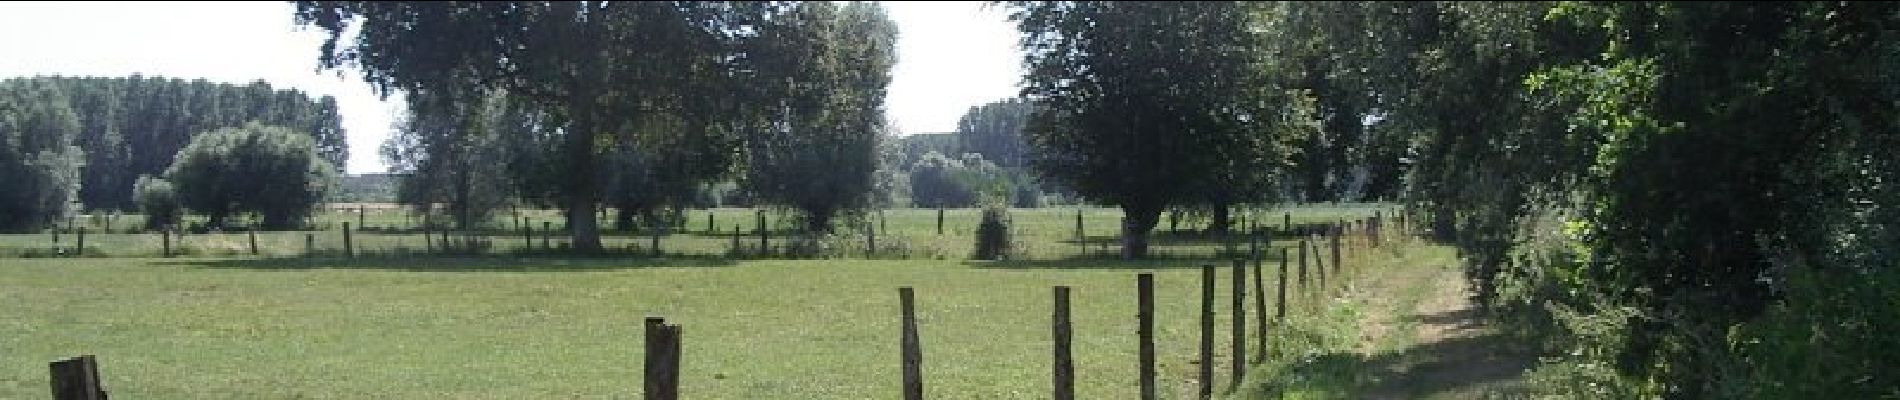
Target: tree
[272, 171]
[37, 159]
[595, 69]
[451, 152]
[814, 148]
[158, 200]
[1145, 105]
[995, 130]
[133, 126]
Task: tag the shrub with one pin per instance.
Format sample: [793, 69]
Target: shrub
[270, 170]
[158, 200]
[992, 234]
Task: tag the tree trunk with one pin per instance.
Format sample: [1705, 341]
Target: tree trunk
[1222, 218]
[623, 219]
[582, 187]
[1137, 221]
[818, 220]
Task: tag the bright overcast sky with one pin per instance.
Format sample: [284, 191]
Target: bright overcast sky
[951, 56]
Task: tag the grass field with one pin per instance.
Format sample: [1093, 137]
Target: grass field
[506, 327]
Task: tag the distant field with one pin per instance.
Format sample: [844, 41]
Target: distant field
[1043, 234]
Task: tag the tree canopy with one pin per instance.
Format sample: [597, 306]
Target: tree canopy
[268, 170]
[1148, 104]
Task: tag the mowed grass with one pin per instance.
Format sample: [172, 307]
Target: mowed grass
[541, 327]
[221, 328]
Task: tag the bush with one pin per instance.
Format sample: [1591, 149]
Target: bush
[158, 200]
[270, 170]
[992, 234]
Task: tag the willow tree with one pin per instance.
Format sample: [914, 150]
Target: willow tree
[1146, 104]
[823, 70]
[596, 68]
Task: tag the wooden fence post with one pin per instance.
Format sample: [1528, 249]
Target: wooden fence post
[1319, 263]
[1260, 306]
[428, 240]
[362, 215]
[252, 233]
[870, 241]
[913, 354]
[1060, 330]
[1207, 331]
[348, 249]
[527, 238]
[76, 378]
[55, 231]
[939, 220]
[79, 244]
[709, 223]
[662, 359]
[763, 243]
[547, 235]
[1145, 315]
[658, 230]
[1336, 259]
[1303, 264]
[1239, 350]
[166, 238]
[309, 244]
[1279, 312]
[1286, 221]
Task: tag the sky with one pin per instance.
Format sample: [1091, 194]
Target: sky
[951, 56]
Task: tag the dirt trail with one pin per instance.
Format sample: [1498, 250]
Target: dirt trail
[1452, 354]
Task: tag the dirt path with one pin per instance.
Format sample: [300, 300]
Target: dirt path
[1450, 352]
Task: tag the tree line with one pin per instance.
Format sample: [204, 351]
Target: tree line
[123, 128]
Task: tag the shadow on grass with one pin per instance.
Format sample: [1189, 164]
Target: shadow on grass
[465, 263]
[1464, 367]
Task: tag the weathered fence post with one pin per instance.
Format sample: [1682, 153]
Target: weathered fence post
[348, 249]
[763, 243]
[55, 231]
[76, 378]
[428, 240]
[1145, 329]
[252, 233]
[1279, 308]
[709, 223]
[870, 241]
[527, 238]
[1336, 259]
[1319, 263]
[1239, 353]
[1064, 367]
[166, 238]
[913, 353]
[662, 359]
[1286, 221]
[309, 244]
[1207, 331]
[1302, 264]
[735, 239]
[362, 215]
[547, 235]
[79, 245]
[658, 230]
[939, 220]
[1260, 305]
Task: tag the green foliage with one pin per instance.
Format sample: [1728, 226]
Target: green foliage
[1145, 104]
[38, 161]
[457, 154]
[813, 145]
[937, 181]
[158, 200]
[133, 126]
[272, 171]
[995, 130]
[992, 234]
[596, 71]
